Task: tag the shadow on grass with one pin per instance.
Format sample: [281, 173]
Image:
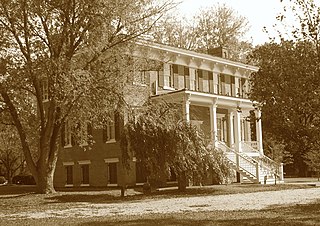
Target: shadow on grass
[306, 214]
[18, 190]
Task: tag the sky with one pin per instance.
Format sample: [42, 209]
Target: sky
[260, 13]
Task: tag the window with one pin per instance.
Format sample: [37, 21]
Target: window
[67, 138]
[69, 174]
[112, 173]
[237, 84]
[193, 83]
[227, 85]
[167, 74]
[85, 174]
[109, 130]
[205, 81]
[85, 133]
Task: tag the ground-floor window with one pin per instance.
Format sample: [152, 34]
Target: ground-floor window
[69, 173]
[85, 174]
[112, 173]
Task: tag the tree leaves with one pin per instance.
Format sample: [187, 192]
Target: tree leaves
[163, 142]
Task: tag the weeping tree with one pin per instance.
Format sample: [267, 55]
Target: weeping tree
[165, 144]
[61, 61]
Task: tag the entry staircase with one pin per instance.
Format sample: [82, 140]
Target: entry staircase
[253, 166]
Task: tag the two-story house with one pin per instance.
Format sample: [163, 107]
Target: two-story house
[214, 94]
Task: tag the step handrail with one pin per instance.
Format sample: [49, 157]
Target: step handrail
[269, 164]
[254, 165]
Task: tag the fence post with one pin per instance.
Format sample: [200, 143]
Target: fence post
[281, 178]
[258, 172]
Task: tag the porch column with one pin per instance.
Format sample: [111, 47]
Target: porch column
[259, 131]
[237, 129]
[231, 129]
[213, 122]
[186, 109]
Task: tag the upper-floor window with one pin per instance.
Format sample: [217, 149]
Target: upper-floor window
[67, 136]
[109, 130]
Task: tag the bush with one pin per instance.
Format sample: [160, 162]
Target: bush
[23, 179]
[3, 180]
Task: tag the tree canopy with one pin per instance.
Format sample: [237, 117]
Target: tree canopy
[61, 62]
[288, 85]
[216, 26]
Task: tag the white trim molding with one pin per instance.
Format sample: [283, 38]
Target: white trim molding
[84, 162]
[68, 163]
[111, 160]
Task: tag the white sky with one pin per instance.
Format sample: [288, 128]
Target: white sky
[259, 13]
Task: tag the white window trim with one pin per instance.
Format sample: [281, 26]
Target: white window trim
[68, 185]
[113, 140]
[111, 160]
[84, 162]
[68, 163]
[168, 88]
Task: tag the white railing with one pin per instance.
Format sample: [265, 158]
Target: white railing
[268, 166]
[241, 161]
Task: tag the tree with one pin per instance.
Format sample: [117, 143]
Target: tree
[166, 144]
[10, 152]
[312, 159]
[286, 85]
[60, 63]
[216, 26]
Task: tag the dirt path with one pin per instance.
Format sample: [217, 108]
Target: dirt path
[247, 201]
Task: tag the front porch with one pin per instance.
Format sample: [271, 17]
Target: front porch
[232, 125]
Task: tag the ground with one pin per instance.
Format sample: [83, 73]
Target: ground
[213, 205]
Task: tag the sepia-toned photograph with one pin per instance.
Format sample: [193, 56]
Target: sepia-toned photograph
[159, 112]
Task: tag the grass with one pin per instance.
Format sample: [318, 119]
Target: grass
[16, 199]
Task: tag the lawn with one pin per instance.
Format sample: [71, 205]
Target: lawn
[20, 199]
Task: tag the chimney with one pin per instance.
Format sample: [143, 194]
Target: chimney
[219, 52]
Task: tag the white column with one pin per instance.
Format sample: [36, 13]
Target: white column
[213, 122]
[231, 129]
[237, 128]
[259, 131]
[186, 109]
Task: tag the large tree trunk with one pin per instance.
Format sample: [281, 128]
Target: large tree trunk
[44, 180]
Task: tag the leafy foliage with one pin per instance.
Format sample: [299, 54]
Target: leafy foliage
[163, 142]
[63, 62]
[287, 85]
